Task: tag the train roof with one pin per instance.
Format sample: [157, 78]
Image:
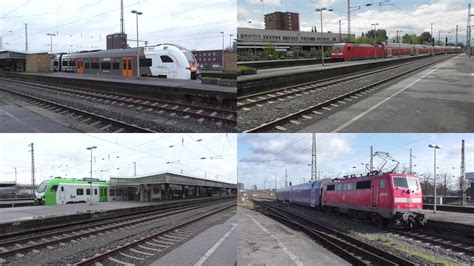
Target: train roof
[60, 180]
[308, 185]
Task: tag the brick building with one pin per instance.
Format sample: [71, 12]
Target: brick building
[282, 21]
[209, 57]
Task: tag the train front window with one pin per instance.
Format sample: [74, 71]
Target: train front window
[42, 186]
[406, 183]
[190, 56]
[54, 188]
[337, 48]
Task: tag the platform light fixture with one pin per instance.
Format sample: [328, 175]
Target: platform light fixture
[90, 149]
[434, 147]
[223, 50]
[375, 39]
[51, 35]
[322, 38]
[137, 13]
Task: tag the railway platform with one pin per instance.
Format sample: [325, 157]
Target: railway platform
[263, 241]
[268, 79]
[446, 86]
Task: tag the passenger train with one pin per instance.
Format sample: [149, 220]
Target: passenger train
[59, 191]
[352, 51]
[164, 61]
[382, 198]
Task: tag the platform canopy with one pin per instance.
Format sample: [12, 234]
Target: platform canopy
[169, 178]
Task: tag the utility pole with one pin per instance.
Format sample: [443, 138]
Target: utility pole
[122, 21]
[340, 33]
[349, 20]
[468, 31]
[371, 164]
[439, 37]
[313, 160]
[16, 189]
[432, 40]
[286, 177]
[411, 161]
[26, 37]
[462, 178]
[32, 166]
[456, 35]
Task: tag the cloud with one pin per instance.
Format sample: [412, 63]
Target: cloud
[325, 3]
[265, 2]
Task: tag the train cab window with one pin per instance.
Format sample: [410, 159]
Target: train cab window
[54, 188]
[116, 66]
[88, 65]
[166, 59]
[95, 191]
[95, 66]
[330, 188]
[105, 65]
[88, 191]
[147, 62]
[382, 183]
[80, 191]
[363, 184]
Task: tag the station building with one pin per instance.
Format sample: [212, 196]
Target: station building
[167, 186]
[257, 39]
[25, 62]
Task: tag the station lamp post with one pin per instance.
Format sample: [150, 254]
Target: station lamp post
[223, 50]
[375, 39]
[137, 13]
[398, 40]
[230, 41]
[51, 35]
[90, 149]
[322, 38]
[435, 147]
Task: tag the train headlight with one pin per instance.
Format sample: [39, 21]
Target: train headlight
[405, 216]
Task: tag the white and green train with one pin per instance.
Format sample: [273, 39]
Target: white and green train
[58, 191]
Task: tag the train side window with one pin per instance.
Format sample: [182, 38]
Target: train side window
[338, 187]
[72, 63]
[330, 188]
[88, 191]
[105, 65]
[382, 183]
[95, 191]
[95, 65]
[65, 63]
[363, 184]
[116, 66]
[62, 188]
[80, 191]
[166, 59]
[119, 192]
[88, 65]
[56, 63]
[147, 62]
[54, 188]
[112, 192]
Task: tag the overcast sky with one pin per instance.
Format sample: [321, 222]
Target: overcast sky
[84, 24]
[65, 155]
[410, 16]
[263, 156]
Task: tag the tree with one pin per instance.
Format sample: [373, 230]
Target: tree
[426, 37]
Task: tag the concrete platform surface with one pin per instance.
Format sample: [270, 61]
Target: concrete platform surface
[450, 217]
[437, 99]
[15, 119]
[263, 241]
[275, 72]
[40, 212]
[215, 246]
[172, 83]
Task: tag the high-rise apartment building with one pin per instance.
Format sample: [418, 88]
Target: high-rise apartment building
[282, 21]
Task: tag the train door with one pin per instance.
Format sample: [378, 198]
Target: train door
[312, 202]
[62, 195]
[127, 67]
[375, 193]
[80, 67]
[389, 52]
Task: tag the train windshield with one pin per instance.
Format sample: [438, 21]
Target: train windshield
[42, 186]
[408, 183]
[190, 56]
[337, 48]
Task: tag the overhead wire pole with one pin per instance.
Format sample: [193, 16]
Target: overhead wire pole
[26, 37]
[462, 177]
[371, 164]
[313, 159]
[32, 167]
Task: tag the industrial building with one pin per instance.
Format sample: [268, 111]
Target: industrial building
[167, 186]
[283, 40]
[282, 21]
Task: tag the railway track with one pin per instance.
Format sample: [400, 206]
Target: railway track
[201, 113]
[136, 252]
[100, 121]
[347, 247]
[47, 238]
[328, 94]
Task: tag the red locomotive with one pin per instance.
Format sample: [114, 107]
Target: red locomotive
[352, 51]
[379, 197]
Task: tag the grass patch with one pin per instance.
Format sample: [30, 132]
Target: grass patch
[246, 70]
[408, 250]
[76, 128]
